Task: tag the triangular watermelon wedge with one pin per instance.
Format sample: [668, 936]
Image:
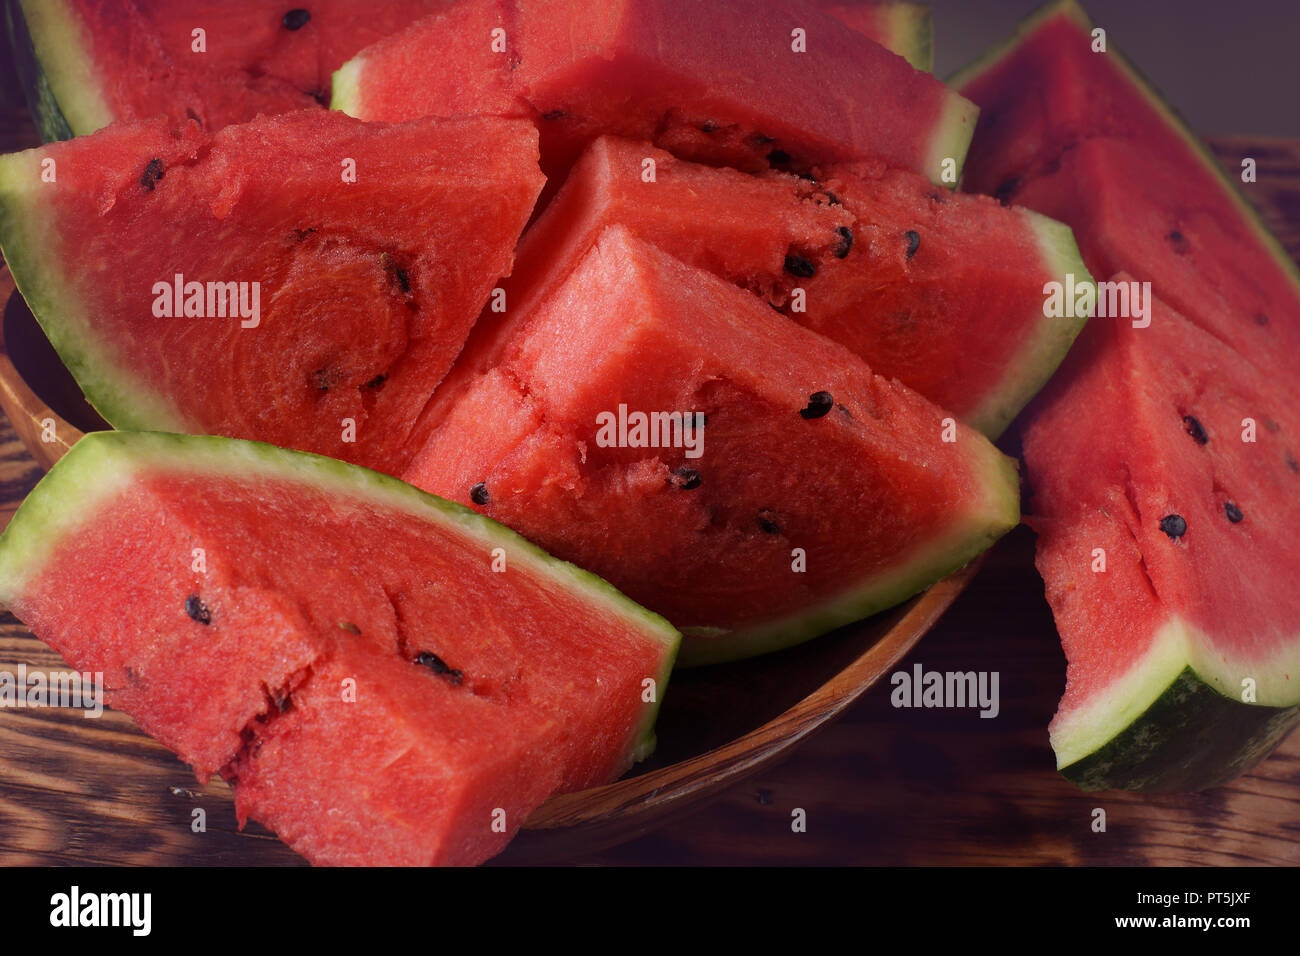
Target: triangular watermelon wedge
[740, 83]
[774, 488]
[897, 271]
[383, 676]
[305, 279]
[1164, 476]
[1081, 136]
[88, 63]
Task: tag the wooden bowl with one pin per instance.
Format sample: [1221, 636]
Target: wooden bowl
[717, 724]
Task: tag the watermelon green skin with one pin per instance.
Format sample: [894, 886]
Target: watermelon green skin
[905, 28]
[367, 289]
[877, 503]
[1083, 138]
[715, 81]
[959, 324]
[1161, 642]
[311, 574]
[41, 102]
[88, 63]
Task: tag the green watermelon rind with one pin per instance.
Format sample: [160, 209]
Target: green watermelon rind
[102, 463]
[55, 58]
[1148, 730]
[1173, 121]
[345, 87]
[912, 33]
[967, 539]
[951, 139]
[1050, 340]
[32, 250]
[41, 102]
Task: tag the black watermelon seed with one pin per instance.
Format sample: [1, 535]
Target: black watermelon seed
[708, 126]
[197, 610]
[778, 157]
[845, 244]
[799, 266]
[554, 115]
[913, 242]
[479, 494]
[296, 19]
[403, 280]
[438, 666]
[761, 139]
[1261, 318]
[1174, 526]
[323, 378]
[1005, 191]
[1179, 242]
[766, 521]
[1196, 430]
[283, 701]
[686, 479]
[1233, 512]
[153, 171]
[832, 199]
[376, 381]
[819, 403]
[1291, 463]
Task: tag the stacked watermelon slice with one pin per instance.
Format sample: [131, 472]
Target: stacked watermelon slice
[696, 310]
[1164, 458]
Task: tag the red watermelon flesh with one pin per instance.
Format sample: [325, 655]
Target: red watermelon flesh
[1166, 451]
[880, 505]
[1081, 137]
[720, 81]
[367, 289]
[396, 79]
[123, 60]
[335, 642]
[961, 325]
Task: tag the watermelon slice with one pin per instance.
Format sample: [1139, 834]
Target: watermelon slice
[88, 63]
[896, 271]
[1083, 138]
[384, 677]
[726, 82]
[1164, 455]
[1190, 606]
[897, 25]
[364, 290]
[814, 494]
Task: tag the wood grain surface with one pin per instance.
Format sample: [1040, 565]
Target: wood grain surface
[879, 786]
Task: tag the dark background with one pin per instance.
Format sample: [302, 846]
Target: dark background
[1226, 67]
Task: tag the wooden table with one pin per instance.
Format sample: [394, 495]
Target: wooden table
[880, 786]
